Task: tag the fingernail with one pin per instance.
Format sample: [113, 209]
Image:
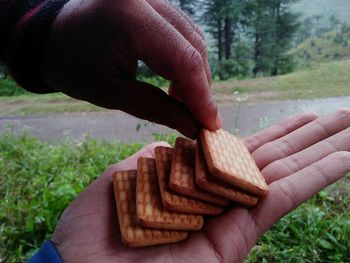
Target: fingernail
[218, 121]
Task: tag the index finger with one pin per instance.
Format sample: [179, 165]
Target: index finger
[169, 54]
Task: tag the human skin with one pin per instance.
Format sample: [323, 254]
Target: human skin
[93, 51]
[298, 157]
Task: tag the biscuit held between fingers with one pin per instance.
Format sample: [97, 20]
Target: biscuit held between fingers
[149, 207]
[182, 175]
[124, 183]
[229, 160]
[171, 200]
[212, 184]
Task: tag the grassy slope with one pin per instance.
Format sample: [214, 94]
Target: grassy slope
[319, 81]
[322, 49]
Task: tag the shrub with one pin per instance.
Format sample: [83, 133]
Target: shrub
[338, 39]
[39, 180]
[9, 88]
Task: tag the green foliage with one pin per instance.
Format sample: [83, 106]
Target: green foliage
[169, 138]
[9, 88]
[318, 231]
[145, 74]
[155, 81]
[338, 39]
[319, 81]
[39, 180]
[328, 47]
[187, 6]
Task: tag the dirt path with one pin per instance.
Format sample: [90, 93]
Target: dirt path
[242, 118]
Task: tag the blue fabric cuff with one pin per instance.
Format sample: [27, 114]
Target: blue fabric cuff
[47, 253]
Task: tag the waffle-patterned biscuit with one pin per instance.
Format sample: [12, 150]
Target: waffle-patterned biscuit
[149, 207]
[229, 160]
[124, 183]
[212, 184]
[171, 200]
[182, 175]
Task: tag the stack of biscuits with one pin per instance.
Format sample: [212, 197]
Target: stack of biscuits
[167, 197]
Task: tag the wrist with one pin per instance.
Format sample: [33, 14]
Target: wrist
[27, 28]
[47, 253]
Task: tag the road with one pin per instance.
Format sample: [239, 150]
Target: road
[243, 118]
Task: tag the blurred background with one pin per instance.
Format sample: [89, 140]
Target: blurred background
[269, 59]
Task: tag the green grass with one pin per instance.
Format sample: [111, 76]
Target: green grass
[28, 104]
[38, 180]
[16, 101]
[9, 88]
[328, 47]
[320, 81]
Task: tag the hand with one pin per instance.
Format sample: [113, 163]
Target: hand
[298, 157]
[93, 51]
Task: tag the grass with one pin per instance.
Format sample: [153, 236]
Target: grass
[38, 180]
[328, 47]
[320, 81]
[9, 88]
[29, 104]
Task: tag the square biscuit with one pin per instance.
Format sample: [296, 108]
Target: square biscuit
[229, 160]
[133, 235]
[149, 206]
[171, 200]
[212, 184]
[182, 175]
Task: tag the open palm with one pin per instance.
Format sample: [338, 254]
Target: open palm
[298, 157]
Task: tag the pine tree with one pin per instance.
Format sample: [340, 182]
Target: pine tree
[222, 18]
[273, 28]
[188, 6]
[285, 27]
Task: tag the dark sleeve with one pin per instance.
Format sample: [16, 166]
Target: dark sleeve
[46, 254]
[24, 28]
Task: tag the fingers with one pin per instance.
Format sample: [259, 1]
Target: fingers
[186, 27]
[171, 55]
[288, 193]
[293, 163]
[153, 104]
[302, 138]
[276, 131]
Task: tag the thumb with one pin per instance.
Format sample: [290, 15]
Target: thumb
[147, 102]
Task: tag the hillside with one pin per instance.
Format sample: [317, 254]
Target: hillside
[331, 46]
[319, 81]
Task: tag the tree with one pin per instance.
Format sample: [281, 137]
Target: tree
[222, 19]
[305, 30]
[273, 28]
[285, 26]
[186, 5]
[261, 24]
